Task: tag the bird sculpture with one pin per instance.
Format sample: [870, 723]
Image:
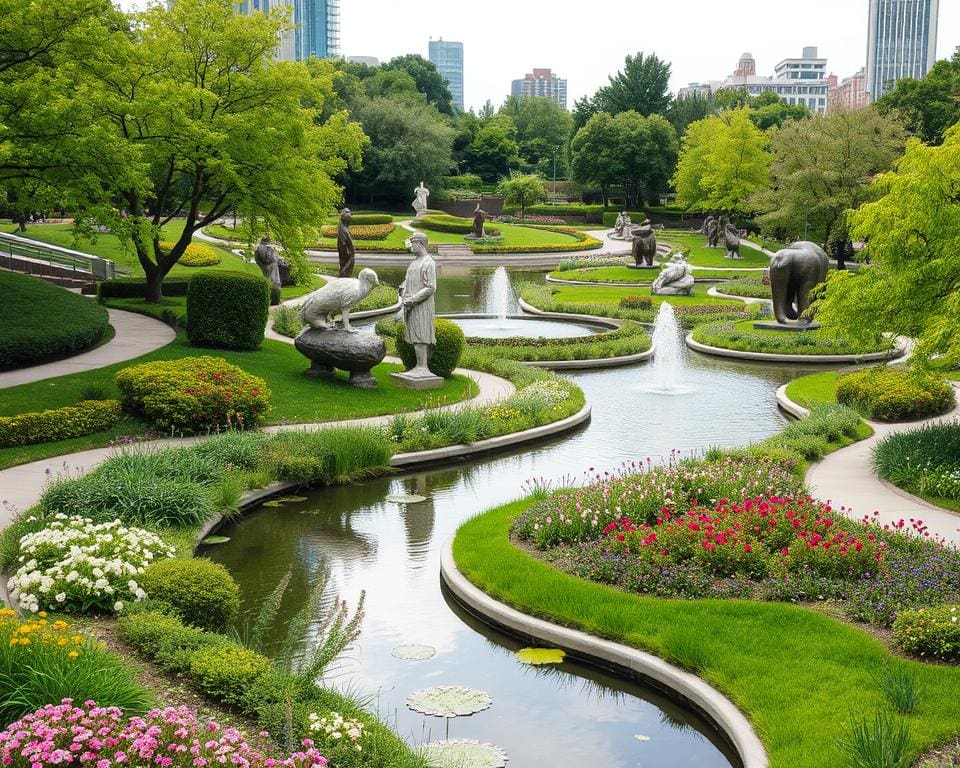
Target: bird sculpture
[339, 295]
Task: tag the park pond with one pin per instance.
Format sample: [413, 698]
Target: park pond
[356, 539]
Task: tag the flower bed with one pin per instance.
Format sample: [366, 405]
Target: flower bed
[933, 633]
[895, 394]
[74, 564]
[924, 461]
[362, 231]
[195, 255]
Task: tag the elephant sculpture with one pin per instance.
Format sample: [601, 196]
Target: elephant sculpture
[793, 273]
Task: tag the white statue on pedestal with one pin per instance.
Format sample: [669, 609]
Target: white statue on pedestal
[420, 200]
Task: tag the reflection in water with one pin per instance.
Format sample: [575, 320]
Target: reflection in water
[564, 716]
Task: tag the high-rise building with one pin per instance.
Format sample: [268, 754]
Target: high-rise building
[541, 82]
[901, 42]
[447, 56]
[316, 27]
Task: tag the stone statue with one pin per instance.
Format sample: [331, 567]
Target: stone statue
[644, 244]
[329, 347]
[731, 240]
[793, 273]
[476, 230]
[270, 263]
[345, 248]
[336, 296]
[675, 279]
[417, 294]
[620, 228]
[421, 194]
[711, 228]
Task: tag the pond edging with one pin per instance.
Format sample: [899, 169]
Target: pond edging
[725, 716]
[771, 357]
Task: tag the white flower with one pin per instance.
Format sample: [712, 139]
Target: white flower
[60, 597]
[118, 606]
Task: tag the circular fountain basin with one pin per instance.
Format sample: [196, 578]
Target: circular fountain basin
[512, 326]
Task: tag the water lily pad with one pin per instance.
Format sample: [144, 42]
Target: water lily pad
[414, 652]
[405, 498]
[448, 701]
[215, 540]
[638, 737]
[463, 753]
[539, 656]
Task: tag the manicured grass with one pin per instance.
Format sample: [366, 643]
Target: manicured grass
[702, 256]
[109, 247]
[814, 389]
[607, 275]
[588, 294]
[743, 336]
[798, 675]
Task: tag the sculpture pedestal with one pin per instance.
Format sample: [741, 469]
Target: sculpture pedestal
[671, 291]
[644, 266]
[332, 348]
[773, 325]
[411, 380]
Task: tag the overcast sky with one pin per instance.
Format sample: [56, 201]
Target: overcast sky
[585, 42]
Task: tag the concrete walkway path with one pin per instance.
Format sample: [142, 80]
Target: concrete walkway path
[846, 478]
[135, 335]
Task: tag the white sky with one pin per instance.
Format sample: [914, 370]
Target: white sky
[585, 42]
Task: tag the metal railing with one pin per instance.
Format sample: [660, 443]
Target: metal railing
[20, 251]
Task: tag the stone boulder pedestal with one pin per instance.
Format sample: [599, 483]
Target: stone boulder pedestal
[332, 348]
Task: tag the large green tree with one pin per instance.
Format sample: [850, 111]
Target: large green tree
[823, 166]
[643, 85]
[523, 190]
[595, 156]
[428, 80]
[494, 151]
[912, 287]
[724, 159]
[543, 131]
[930, 105]
[647, 155]
[689, 109]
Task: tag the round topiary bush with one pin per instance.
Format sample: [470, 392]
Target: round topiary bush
[202, 592]
[895, 394]
[195, 255]
[227, 309]
[445, 354]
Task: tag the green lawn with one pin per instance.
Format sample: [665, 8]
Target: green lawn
[607, 275]
[295, 398]
[109, 247]
[797, 674]
[701, 256]
[814, 389]
[741, 335]
[588, 294]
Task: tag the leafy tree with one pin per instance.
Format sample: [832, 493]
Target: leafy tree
[930, 105]
[912, 231]
[543, 126]
[594, 154]
[689, 109]
[410, 142]
[643, 85]
[487, 111]
[823, 166]
[583, 109]
[391, 82]
[495, 150]
[647, 151]
[429, 81]
[522, 190]
[769, 110]
[723, 160]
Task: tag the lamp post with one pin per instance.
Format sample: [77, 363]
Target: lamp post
[555, 174]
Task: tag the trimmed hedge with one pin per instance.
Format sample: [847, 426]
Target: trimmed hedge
[42, 321]
[933, 633]
[194, 394]
[895, 394]
[201, 591]
[84, 418]
[363, 219]
[136, 287]
[195, 255]
[453, 225]
[445, 354]
[227, 309]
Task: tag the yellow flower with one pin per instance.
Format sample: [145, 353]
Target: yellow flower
[62, 641]
[42, 614]
[73, 654]
[24, 641]
[13, 641]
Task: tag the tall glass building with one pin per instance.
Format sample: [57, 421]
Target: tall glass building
[316, 27]
[448, 58]
[901, 42]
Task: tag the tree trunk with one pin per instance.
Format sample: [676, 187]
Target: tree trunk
[21, 223]
[154, 294]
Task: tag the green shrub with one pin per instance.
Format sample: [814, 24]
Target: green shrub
[933, 633]
[636, 302]
[194, 394]
[202, 592]
[286, 320]
[883, 742]
[84, 418]
[225, 672]
[227, 309]
[895, 394]
[367, 219]
[444, 356]
[162, 636]
[239, 450]
[136, 288]
[42, 321]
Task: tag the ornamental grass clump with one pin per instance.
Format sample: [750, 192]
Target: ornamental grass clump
[43, 659]
[75, 564]
[925, 461]
[65, 734]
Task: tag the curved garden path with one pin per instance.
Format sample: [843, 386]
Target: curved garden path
[846, 478]
[135, 335]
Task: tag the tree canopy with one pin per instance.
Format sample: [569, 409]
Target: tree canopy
[523, 190]
[913, 238]
[543, 129]
[428, 80]
[930, 105]
[643, 85]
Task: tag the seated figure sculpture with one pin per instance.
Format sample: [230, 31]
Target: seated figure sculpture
[337, 296]
[620, 228]
[675, 279]
[644, 244]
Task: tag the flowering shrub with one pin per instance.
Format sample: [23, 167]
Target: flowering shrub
[195, 255]
[930, 632]
[194, 394]
[362, 231]
[895, 394]
[75, 564]
[340, 738]
[64, 734]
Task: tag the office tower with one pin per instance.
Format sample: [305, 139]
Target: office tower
[901, 42]
[447, 56]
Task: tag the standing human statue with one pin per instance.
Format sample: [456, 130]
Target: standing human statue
[712, 229]
[421, 194]
[479, 217]
[419, 310]
[269, 262]
[345, 248]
